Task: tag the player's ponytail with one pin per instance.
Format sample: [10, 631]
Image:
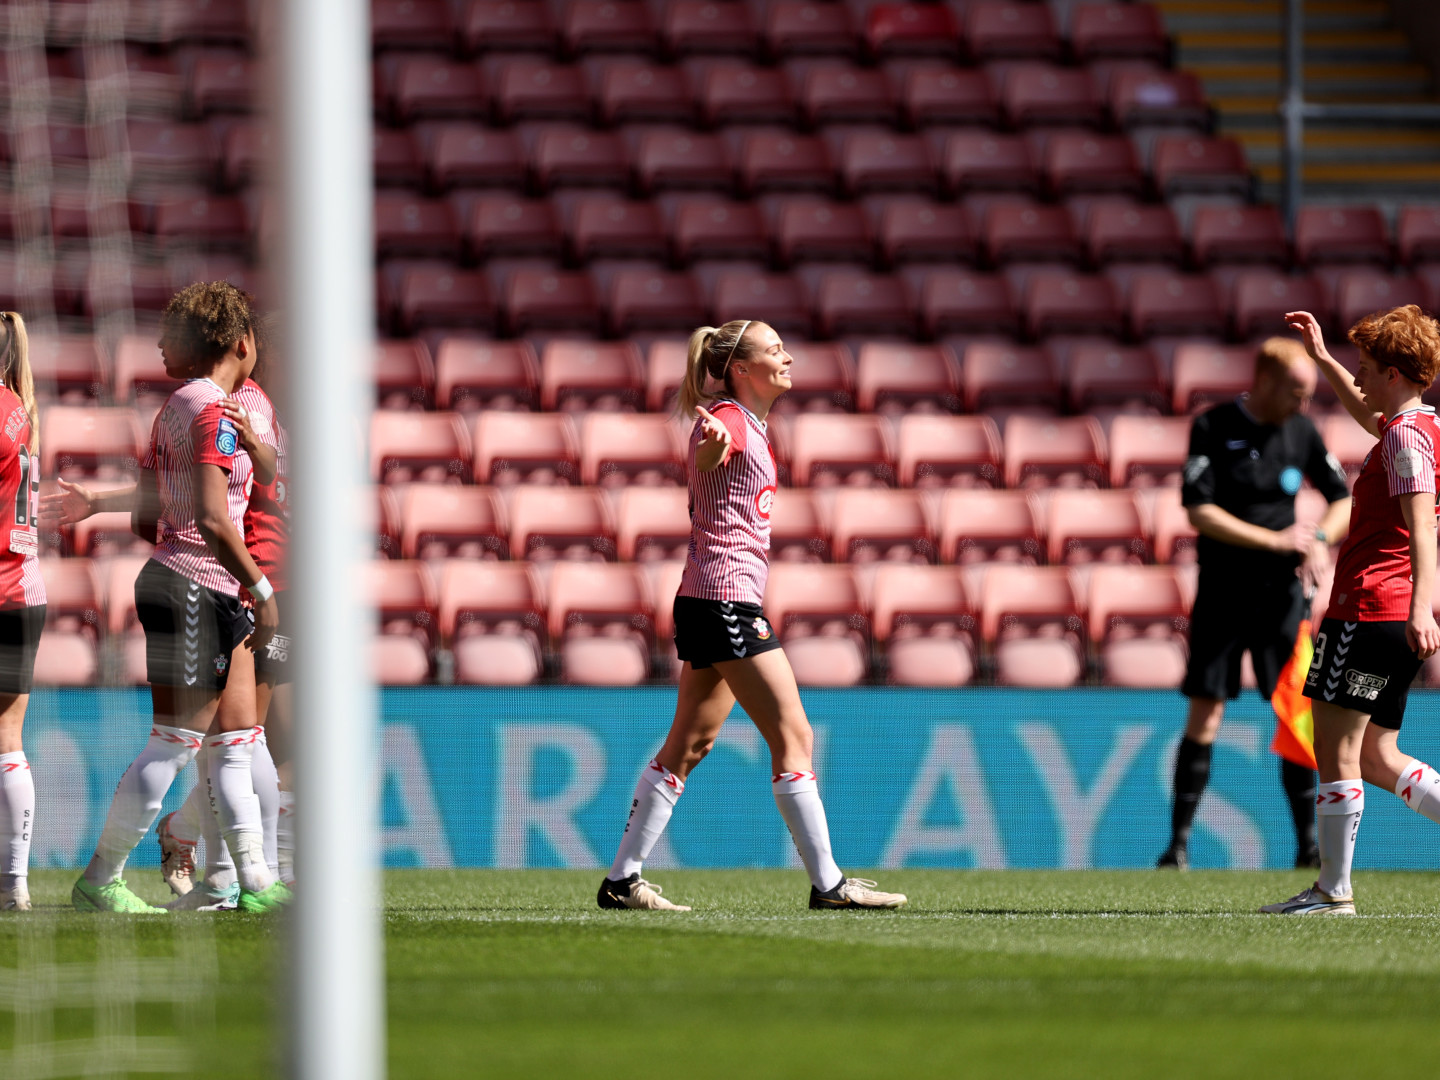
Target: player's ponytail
[711, 351]
[15, 370]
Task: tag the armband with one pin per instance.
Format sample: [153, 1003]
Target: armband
[262, 590]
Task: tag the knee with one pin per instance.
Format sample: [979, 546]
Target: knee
[798, 735]
[1376, 766]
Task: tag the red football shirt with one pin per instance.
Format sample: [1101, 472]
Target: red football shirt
[20, 582]
[267, 516]
[1372, 574]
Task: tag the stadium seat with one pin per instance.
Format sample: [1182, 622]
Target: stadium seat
[804, 599]
[995, 374]
[1035, 94]
[930, 661]
[576, 157]
[608, 227]
[904, 376]
[934, 95]
[549, 300]
[1195, 164]
[411, 24]
[816, 229]
[505, 659]
[828, 449]
[444, 296]
[105, 535]
[999, 29]
[911, 30]
[432, 87]
[73, 602]
[881, 525]
[430, 447]
[1016, 232]
[200, 24]
[441, 520]
[823, 660]
[219, 83]
[709, 26]
[831, 92]
[1054, 452]
[982, 160]
[1095, 526]
[1205, 375]
[118, 581]
[1116, 232]
[1417, 234]
[1365, 290]
[398, 660]
[653, 300]
[681, 160]
[590, 374]
[631, 91]
[1330, 234]
[468, 155]
[163, 152]
[1174, 535]
[718, 229]
[387, 521]
[966, 302]
[1137, 619]
[1115, 31]
[1165, 302]
[534, 88]
[1064, 302]
[948, 451]
[978, 525]
[912, 231]
[824, 378]
[855, 302]
[1348, 442]
[508, 26]
[404, 375]
[1077, 162]
[607, 26]
[78, 441]
[1229, 234]
[872, 161]
[736, 93]
[652, 523]
[408, 225]
[1155, 98]
[1114, 375]
[1146, 450]
[396, 158]
[1260, 298]
[799, 532]
[923, 616]
[585, 598]
[804, 27]
[481, 597]
[509, 225]
[214, 222]
[560, 523]
[531, 448]
[664, 372]
[403, 592]
[470, 374]
[65, 658]
[1029, 617]
[769, 161]
[617, 449]
[67, 368]
[775, 299]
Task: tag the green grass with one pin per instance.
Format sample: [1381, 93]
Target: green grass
[986, 974]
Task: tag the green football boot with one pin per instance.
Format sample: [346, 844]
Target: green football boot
[274, 898]
[116, 896]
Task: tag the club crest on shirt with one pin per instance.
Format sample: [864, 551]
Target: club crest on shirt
[762, 629]
[765, 501]
[221, 663]
[227, 438]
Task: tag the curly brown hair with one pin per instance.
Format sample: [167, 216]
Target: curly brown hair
[1405, 338]
[204, 320]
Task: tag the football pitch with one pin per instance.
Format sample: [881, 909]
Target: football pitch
[985, 974]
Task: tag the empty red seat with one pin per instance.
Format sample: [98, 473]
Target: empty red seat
[1174, 534]
[775, 299]
[637, 91]
[709, 26]
[1114, 375]
[911, 30]
[587, 598]
[581, 374]
[465, 155]
[798, 531]
[881, 161]
[140, 370]
[1096, 526]
[411, 24]
[427, 87]
[827, 449]
[549, 522]
[935, 95]
[1045, 94]
[532, 448]
[909, 600]
[166, 152]
[407, 446]
[397, 660]
[1099, 31]
[912, 231]
[532, 88]
[438, 520]
[1077, 162]
[201, 23]
[652, 523]
[804, 599]
[508, 26]
[1157, 97]
[491, 613]
[681, 160]
[620, 448]
[831, 92]
[995, 374]
[443, 296]
[654, 300]
[736, 93]
[72, 596]
[403, 593]
[1017, 232]
[718, 229]
[579, 158]
[607, 26]
[980, 525]
[879, 524]
[664, 372]
[508, 225]
[1137, 617]
[65, 658]
[220, 83]
[404, 375]
[1260, 298]
[1003, 30]
[943, 451]
[1204, 375]
[545, 299]
[106, 535]
[796, 27]
[966, 301]
[1365, 290]
[1197, 164]
[807, 229]
[1341, 234]
[1063, 302]
[1148, 450]
[67, 367]
[852, 302]
[1417, 234]
[408, 225]
[782, 161]
[1045, 451]
[824, 378]
[1239, 234]
[906, 375]
[396, 157]
[607, 227]
[1030, 617]
[1165, 302]
[471, 373]
[78, 441]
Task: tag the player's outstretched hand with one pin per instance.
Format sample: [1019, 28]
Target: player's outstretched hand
[267, 621]
[1422, 634]
[714, 438]
[1308, 327]
[72, 503]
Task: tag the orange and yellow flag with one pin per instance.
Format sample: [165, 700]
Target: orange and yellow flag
[1295, 731]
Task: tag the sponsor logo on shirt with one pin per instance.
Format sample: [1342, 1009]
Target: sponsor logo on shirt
[765, 502]
[227, 438]
[1407, 462]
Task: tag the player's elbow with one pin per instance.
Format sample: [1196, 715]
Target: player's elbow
[210, 523]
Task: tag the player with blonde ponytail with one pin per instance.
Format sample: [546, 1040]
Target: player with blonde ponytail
[22, 604]
[733, 375]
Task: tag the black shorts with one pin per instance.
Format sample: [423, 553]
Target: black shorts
[20, 630]
[190, 631]
[1231, 618]
[273, 662]
[1365, 666]
[707, 631]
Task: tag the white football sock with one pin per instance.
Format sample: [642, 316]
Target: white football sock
[137, 799]
[285, 837]
[267, 790]
[232, 794]
[1419, 786]
[1338, 808]
[797, 794]
[656, 793]
[17, 816]
[188, 824]
[196, 821]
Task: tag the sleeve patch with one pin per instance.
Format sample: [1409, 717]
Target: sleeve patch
[1195, 468]
[227, 438]
[1407, 462]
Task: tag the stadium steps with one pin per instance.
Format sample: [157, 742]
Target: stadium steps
[1353, 53]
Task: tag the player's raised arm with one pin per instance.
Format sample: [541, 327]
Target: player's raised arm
[715, 443]
[1308, 327]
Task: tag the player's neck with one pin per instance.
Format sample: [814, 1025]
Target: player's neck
[1403, 403]
[759, 407]
[228, 373]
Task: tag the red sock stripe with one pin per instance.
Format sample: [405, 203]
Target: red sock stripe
[246, 737]
[671, 780]
[15, 766]
[791, 777]
[176, 738]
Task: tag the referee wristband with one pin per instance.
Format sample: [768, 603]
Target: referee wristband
[262, 589]
[1320, 535]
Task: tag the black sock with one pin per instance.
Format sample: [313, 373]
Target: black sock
[1192, 772]
[1299, 783]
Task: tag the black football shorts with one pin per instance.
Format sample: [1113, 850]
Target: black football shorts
[709, 631]
[20, 630]
[272, 663]
[1365, 666]
[190, 631]
[1229, 620]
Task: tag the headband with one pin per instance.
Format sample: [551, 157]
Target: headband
[731, 355]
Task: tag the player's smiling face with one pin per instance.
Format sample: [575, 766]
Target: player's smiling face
[767, 368]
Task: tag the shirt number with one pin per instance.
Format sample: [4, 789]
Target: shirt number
[28, 490]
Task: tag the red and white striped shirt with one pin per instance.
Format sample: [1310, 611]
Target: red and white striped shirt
[20, 582]
[267, 516]
[191, 430]
[730, 507]
[1372, 573]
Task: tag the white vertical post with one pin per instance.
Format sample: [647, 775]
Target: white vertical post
[322, 54]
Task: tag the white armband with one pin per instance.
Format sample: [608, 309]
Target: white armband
[262, 590]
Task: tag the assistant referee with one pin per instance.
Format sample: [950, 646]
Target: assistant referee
[1258, 566]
